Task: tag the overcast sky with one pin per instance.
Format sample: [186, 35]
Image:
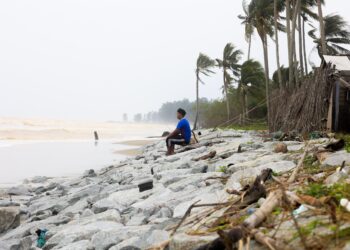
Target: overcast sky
[96, 59]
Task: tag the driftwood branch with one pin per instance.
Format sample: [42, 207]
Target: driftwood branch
[210, 155]
[272, 201]
[299, 166]
[267, 241]
[195, 205]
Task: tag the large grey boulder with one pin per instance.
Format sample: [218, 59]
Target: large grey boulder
[19, 190]
[105, 204]
[337, 158]
[106, 239]
[336, 177]
[137, 220]
[17, 244]
[79, 245]
[182, 241]
[76, 232]
[156, 237]
[9, 218]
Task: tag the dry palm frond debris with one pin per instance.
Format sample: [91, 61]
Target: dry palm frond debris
[294, 198]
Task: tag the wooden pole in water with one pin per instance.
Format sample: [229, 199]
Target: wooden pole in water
[96, 135]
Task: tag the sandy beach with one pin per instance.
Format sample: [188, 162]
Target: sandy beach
[31, 147]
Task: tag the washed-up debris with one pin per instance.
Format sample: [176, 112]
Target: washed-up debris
[146, 185]
[300, 210]
[336, 145]
[345, 203]
[210, 155]
[41, 241]
[198, 145]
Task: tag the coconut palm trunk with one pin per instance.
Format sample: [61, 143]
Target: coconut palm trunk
[246, 104]
[249, 46]
[197, 100]
[304, 49]
[277, 45]
[294, 70]
[263, 37]
[300, 36]
[322, 28]
[226, 95]
[290, 49]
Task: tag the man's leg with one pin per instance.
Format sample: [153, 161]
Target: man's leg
[172, 141]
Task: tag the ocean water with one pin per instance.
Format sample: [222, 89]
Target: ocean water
[24, 159]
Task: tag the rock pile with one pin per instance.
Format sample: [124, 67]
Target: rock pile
[104, 209]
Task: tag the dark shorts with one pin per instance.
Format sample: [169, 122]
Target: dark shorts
[176, 140]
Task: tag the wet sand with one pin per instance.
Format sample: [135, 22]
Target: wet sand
[133, 151]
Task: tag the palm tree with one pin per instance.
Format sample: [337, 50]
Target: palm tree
[337, 34]
[248, 27]
[230, 68]
[322, 27]
[251, 83]
[261, 17]
[204, 66]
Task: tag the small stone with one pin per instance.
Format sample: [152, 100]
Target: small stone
[281, 148]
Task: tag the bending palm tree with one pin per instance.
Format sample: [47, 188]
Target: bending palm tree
[261, 16]
[336, 34]
[204, 66]
[251, 82]
[229, 62]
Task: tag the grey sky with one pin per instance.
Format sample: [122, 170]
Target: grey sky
[97, 59]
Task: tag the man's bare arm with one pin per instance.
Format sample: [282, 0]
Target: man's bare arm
[174, 133]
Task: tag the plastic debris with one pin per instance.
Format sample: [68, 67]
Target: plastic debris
[41, 241]
[251, 210]
[300, 210]
[345, 203]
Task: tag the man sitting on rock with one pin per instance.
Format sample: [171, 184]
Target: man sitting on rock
[181, 135]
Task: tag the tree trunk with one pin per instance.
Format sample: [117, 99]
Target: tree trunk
[246, 104]
[277, 45]
[301, 59]
[226, 94]
[304, 49]
[197, 101]
[290, 52]
[322, 31]
[267, 74]
[293, 43]
[249, 46]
